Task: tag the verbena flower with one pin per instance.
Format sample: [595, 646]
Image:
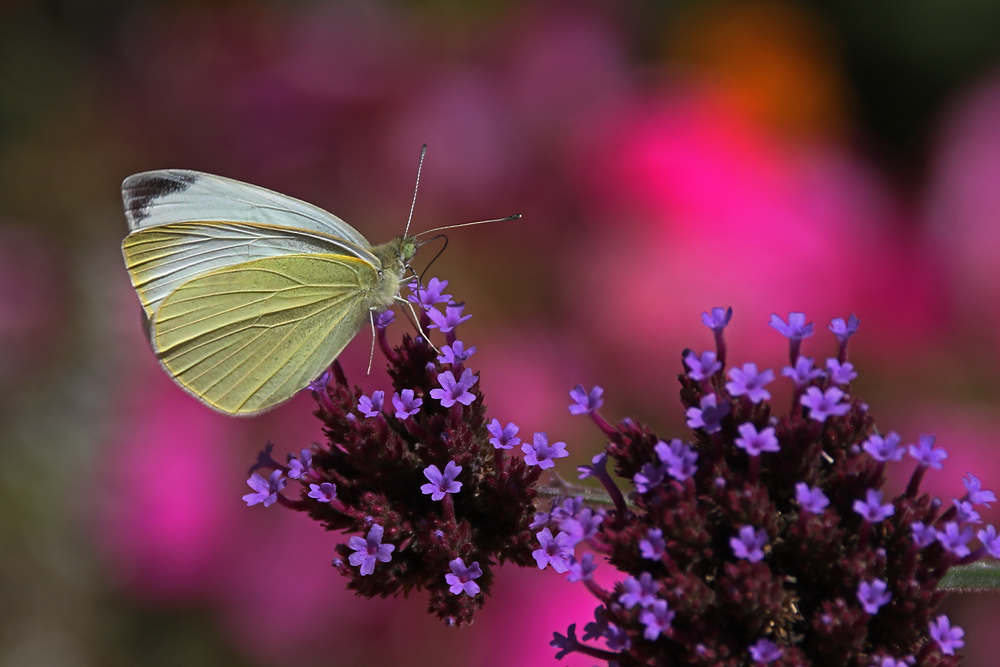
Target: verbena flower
[757, 539]
[778, 544]
[389, 476]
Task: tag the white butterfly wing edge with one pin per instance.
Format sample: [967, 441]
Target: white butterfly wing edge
[185, 223]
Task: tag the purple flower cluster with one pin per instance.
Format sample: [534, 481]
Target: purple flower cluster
[420, 476]
[766, 539]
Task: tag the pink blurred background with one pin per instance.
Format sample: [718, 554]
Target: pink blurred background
[771, 156]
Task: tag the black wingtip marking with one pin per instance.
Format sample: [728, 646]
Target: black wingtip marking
[141, 190]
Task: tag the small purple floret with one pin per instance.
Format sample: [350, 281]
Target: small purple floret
[948, 638]
[324, 492]
[441, 483]
[873, 595]
[749, 545]
[371, 406]
[266, 490]
[541, 453]
[369, 550]
[406, 404]
[810, 499]
[460, 579]
[872, 508]
[585, 402]
[765, 651]
[503, 436]
[747, 381]
[455, 391]
[823, 404]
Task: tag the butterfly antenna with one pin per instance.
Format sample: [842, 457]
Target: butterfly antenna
[516, 216]
[413, 204]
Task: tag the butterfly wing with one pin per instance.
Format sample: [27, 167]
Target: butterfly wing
[163, 257]
[246, 337]
[167, 196]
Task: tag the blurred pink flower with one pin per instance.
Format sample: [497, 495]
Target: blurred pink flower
[963, 207]
[695, 207]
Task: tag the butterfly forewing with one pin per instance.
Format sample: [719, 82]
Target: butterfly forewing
[246, 337]
[167, 196]
[160, 259]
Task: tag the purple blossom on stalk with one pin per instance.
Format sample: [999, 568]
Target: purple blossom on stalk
[369, 550]
[948, 638]
[926, 454]
[265, 490]
[657, 619]
[840, 373]
[747, 381]
[803, 372]
[555, 551]
[754, 443]
[455, 391]
[873, 595]
[765, 651]
[456, 353]
[461, 578]
[541, 454]
[749, 544]
[430, 294]
[320, 384]
[717, 319]
[583, 569]
[810, 499]
[324, 492]
[823, 404]
[975, 493]
[598, 467]
[884, 449]
[955, 539]
[406, 404]
[651, 547]
[923, 534]
[649, 477]
[441, 483]
[795, 329]
[641, 591]
[708, 415]
[585, 402]
[583, 525]
[678, 457]
[965, 512]
[844, 330]
[503, 437]
[371, 406]
[991, 543]
[384, 319]
[298, 467]
[701, 367]
[451, 318]
[872, 509]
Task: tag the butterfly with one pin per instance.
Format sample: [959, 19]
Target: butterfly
[249, 294]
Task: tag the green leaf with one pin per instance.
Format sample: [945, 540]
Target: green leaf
[979, 577]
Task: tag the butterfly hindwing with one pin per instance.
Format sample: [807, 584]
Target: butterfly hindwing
[245, 337]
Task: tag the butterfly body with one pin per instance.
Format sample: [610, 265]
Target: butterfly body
[250, 294]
